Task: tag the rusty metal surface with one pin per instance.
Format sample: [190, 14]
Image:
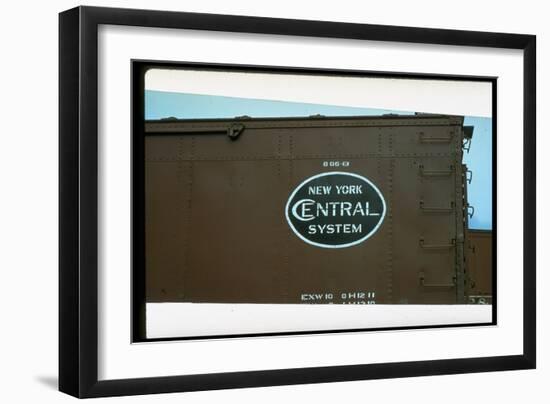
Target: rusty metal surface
[215, 221]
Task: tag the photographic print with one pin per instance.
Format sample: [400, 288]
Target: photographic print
[290, 201]
[280, 201]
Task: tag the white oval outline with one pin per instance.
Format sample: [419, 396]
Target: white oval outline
[299, 186]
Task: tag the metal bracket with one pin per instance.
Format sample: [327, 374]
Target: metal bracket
[468, 132]
[466, 144]
[469, 176]
[471, 210]
[235, 130]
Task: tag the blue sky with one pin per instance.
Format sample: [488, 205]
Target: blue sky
[160, 104]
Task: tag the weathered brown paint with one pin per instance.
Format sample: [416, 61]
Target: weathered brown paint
[479, 260]
[215, 224]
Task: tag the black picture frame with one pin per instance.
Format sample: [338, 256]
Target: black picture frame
[78, 201]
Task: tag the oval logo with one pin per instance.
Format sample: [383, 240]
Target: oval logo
[335, 209]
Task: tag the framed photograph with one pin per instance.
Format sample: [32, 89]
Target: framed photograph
[251, 201]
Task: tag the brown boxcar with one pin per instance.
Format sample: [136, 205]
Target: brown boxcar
[356, 210]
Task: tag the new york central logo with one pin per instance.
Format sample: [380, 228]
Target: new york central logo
[335, 209]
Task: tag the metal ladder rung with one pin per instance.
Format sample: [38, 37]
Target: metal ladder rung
[423, 283]
[437, 246]
[436, 209]
[435, 173]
